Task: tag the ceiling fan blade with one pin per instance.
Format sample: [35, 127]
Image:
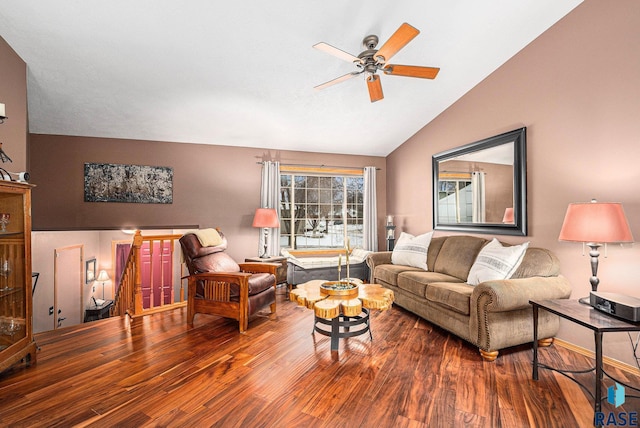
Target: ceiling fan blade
[337, 80]
[397, 41]
[411, 71]
[375, 88]
[322, 46]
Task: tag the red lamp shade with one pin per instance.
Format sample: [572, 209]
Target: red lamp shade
[508, 215]
[266, 217]
[595, 222]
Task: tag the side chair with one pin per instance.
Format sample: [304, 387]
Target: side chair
[220, 286]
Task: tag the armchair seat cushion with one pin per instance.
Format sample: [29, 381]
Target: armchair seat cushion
[259, 282]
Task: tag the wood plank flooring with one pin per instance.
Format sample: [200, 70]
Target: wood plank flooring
[158, 371]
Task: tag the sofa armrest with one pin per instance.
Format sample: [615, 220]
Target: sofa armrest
[376, 259]
[379, 258]
[501, 314]
[513, 294]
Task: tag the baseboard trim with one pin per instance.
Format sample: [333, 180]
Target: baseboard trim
[606, 360]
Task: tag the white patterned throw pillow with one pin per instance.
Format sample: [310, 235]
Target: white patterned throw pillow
[496, 262]
[411, 250]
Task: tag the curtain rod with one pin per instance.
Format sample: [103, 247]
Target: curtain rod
[318, 166]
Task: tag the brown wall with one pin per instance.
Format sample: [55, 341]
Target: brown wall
[13, 94]
[577, 90]
[213, 186]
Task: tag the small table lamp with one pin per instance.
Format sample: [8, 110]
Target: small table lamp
[265, 218]
[102, 277]
[508, 216]
[595, 223]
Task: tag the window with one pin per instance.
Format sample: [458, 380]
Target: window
[313, 210]
[455, 201]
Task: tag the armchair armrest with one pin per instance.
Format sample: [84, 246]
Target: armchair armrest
[232, 277]
[259, 267]
[512, 294]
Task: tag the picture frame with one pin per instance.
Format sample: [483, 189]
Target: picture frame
[90, 270]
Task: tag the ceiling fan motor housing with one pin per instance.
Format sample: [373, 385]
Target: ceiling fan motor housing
[370, 42]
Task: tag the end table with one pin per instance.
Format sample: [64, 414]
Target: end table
[98, 312]
[596, 321]
[281, 276]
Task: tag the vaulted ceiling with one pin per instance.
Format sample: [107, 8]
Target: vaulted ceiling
[242, 73]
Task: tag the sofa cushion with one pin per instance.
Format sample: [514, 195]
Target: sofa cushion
[496, 262]
[389, 273]
[457, 255]
[412, 250]
[417, 282]
[538, 262]
[434, 249]
[455, 296]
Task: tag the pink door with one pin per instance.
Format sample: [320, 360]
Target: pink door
[157, 274]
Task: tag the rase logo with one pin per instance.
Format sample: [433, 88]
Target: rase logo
[616, 396]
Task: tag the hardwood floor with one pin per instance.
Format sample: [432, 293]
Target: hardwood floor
[158, 371]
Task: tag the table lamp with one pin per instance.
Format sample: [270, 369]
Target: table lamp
[595, 223]
[265, 218]
[102, 277]
[508, 216]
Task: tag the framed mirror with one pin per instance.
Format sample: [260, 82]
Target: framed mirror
[482, 187]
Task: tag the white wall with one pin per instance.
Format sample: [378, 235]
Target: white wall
[43, 246]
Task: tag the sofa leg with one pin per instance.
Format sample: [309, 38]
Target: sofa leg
[545, 342]
[489, 355]
[273, 307]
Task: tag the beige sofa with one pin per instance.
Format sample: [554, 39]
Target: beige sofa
[491, 315]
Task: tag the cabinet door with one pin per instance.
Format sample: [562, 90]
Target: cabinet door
[15, 265]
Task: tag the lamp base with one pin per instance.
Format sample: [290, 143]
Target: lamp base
[585, 301]
[264, 254]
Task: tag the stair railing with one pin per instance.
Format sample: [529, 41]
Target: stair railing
[129, 298]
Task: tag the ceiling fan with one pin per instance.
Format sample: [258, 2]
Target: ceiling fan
[371, 60]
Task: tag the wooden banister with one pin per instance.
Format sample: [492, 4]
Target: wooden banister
[129, 298]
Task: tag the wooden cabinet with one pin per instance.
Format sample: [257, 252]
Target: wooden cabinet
[16, 334]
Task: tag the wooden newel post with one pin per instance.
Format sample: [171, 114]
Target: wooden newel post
[137, 281]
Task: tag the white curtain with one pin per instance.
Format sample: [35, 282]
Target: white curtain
[270, 198]
[477, 192]
[370, 216]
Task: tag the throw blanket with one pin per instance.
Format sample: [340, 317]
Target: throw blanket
[358, 255]
[208, 237]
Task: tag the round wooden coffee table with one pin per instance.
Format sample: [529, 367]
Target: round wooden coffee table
[346, 314]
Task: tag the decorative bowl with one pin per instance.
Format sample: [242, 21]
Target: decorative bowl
[339, 288]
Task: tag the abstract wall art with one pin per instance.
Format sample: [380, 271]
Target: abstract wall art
[141, 184]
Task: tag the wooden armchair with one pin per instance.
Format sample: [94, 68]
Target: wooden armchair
[220, 286]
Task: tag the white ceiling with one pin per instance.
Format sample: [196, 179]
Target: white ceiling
[241, 72]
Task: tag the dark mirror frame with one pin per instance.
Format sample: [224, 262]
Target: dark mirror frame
[519, 227]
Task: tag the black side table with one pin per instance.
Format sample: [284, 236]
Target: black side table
[98, 312]
[592, 319]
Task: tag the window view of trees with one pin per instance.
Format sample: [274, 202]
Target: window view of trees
[315, 208]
